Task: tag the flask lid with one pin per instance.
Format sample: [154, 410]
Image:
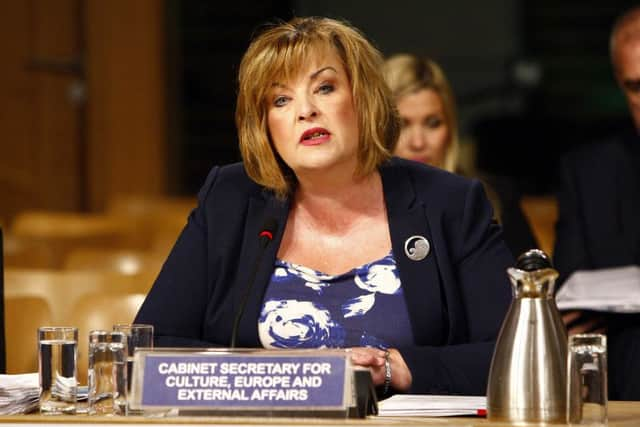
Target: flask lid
[532, 260]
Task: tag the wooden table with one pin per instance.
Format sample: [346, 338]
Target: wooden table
[620, 414]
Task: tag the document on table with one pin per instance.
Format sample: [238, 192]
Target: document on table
[19, 394]
[426, 405]
[609, 289]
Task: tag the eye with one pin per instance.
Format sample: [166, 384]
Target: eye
[632, 85]
[325, 88]
[403, 123]
[280, 101]
[433, 122]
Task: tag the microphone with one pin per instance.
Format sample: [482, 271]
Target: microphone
[265, 236]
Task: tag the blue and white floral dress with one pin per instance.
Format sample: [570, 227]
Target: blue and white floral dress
[304, 308]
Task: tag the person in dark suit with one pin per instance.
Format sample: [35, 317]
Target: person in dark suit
[599, 210]
[321, 239]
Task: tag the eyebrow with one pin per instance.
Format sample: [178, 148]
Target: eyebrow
[321, 70]
[313, 76]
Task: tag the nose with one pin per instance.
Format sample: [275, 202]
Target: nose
[307, 109]
[417, 139]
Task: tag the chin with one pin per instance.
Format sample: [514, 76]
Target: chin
[315, 166]
[320, 163]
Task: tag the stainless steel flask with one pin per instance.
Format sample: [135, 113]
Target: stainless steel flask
[528, 380]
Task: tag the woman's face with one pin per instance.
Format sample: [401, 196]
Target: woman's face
[424, 135]
[312, 121]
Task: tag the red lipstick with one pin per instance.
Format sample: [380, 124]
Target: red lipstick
[315, 136]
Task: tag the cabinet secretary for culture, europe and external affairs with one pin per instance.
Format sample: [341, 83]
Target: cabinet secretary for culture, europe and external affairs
[368, 252]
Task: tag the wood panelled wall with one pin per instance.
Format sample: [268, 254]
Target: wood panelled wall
[126, 109]
[82, 102]
[39, 144]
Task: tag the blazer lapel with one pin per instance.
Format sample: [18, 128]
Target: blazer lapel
[258, 261]
[420, 279]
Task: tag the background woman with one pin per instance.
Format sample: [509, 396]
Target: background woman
[320, 239]
[425, 102]
[429, 134]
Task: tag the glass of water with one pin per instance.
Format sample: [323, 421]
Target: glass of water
[57, 366]
[587, 380]
[138, 335]
[107, 373]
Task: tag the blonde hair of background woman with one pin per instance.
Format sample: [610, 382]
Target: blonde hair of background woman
[406, 74]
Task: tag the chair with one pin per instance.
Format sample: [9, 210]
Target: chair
[21, 253]
[158, 219]
[24, 315]
[101, 310]
[50, 235]
[129, 262]
[165, 236]
[542, 214]
[132, 205]
[62, 289]
[70, 295]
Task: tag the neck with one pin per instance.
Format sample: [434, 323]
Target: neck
[336, 203]
[327, 180]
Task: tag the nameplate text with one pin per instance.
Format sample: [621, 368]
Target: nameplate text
[242, 380]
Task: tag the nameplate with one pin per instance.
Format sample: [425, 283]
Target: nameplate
[200, 379]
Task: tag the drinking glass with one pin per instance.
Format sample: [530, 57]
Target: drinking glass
[587, 380]
[58, 370]
[107, 373]
[138, 335]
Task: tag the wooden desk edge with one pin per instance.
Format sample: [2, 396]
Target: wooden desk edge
[620, 414]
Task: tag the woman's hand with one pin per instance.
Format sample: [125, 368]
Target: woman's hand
[580, 322]
[374, 359]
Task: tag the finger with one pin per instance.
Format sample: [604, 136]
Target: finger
[369, 357]
[571, 316]
[368, 353]
[366, 360]
[590, 325]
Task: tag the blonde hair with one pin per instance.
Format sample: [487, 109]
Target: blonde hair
[406, 74]
[279, 54]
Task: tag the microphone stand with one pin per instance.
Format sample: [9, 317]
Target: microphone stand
[266, 235]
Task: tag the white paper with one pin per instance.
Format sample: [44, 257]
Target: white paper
[610, 290]
[19, 394]
[427, 405]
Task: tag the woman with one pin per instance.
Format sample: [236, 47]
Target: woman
[320, 239]
[425, 102]
[429, 134]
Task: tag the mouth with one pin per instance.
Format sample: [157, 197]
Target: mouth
[315, 136]
[423, 159]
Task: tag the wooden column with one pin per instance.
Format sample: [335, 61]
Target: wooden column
[125, 67]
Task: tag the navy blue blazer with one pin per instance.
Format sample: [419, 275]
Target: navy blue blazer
[457, 296]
